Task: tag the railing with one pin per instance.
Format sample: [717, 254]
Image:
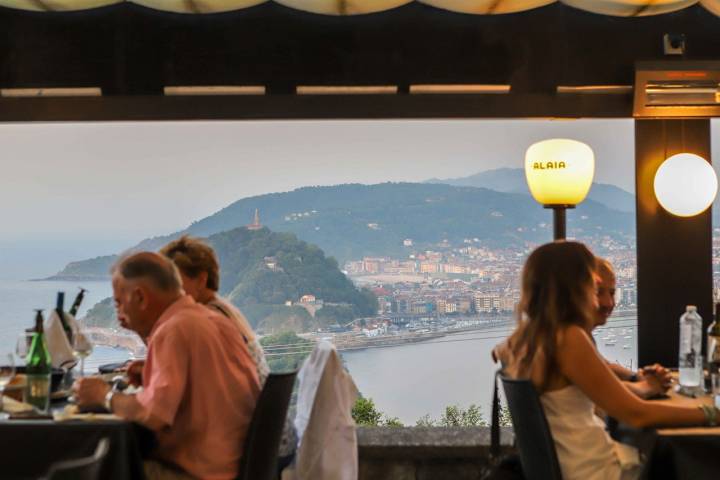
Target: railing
[426, 452]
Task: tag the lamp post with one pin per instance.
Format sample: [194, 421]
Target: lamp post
[559, 173]
[685, 185]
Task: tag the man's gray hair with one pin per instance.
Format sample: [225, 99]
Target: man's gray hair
[158, 270]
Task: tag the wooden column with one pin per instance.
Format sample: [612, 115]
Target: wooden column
[674, 254]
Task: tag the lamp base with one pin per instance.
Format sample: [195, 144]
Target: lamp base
[559, 205]
[559, 220]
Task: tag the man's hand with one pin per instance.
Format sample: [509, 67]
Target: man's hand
[658, 374]
[90, 391]
[653, 380]
[651, 387]
[134, 372]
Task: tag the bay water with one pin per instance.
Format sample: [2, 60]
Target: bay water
[406, 382]
[411, 381]
[19, 299]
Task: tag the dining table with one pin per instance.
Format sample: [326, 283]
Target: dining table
[28, 447]
[676, 453]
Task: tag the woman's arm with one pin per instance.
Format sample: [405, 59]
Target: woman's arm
[621, 372]
[582, 365]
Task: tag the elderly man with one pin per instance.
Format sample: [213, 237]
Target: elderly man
[200, 384]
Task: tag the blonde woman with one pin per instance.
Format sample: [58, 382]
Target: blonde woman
[200, 272]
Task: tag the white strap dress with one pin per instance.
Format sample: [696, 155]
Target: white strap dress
[585, 450]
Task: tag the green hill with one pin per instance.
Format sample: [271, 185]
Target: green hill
[352, 221]
[262, 270]
[93, 269]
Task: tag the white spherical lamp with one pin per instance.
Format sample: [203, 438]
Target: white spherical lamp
[685, 184]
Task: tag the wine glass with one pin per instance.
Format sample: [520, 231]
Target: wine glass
[23, 344]
[82, 347]
[7, 372]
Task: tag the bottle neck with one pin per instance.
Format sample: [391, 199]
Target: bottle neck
[38, 355]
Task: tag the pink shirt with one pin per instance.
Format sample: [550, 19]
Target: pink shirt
[200, 380]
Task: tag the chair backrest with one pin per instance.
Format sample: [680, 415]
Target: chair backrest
[259, 460]
[532, 432]
[85, 468]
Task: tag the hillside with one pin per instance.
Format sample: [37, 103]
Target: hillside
[262, 270]
[97, 268]
[352, 221]
[512, 180]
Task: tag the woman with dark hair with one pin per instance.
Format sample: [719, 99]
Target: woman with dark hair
[553, 348]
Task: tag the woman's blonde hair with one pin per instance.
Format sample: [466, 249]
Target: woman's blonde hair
[557, 284]
[605, 269]
[193, 256]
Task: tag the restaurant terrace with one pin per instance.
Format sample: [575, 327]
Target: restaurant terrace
[169, 60]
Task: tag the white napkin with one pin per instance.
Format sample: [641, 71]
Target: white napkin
[10, 405]
[61, 352]
[71, 412]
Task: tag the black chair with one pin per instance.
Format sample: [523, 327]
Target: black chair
[85, 468]
[532, 433]
[259, 460]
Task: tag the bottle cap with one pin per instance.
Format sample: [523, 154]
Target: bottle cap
[691, 308]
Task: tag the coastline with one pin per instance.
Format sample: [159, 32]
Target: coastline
[73, 278]
[108, 337]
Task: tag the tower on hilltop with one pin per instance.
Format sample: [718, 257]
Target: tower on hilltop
[256, 222]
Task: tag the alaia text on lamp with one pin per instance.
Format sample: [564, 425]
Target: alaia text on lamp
[685, 184]
[559, 173]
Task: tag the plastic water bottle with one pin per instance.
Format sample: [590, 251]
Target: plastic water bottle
[690, 348]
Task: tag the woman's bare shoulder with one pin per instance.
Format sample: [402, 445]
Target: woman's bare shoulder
[572, 333]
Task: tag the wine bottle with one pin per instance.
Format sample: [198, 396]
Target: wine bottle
[38, 368]
[60, 310]
[78, 300]
[713, 342]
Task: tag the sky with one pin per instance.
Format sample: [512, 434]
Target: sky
[70, 191]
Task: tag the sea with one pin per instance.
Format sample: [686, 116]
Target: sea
[406, 382]
[20, 298]
[411, 381]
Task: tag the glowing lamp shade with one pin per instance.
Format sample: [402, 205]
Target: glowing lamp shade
[559, 171]
[685, 185]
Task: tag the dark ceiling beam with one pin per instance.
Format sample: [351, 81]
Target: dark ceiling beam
[280, 107]
[132, 53]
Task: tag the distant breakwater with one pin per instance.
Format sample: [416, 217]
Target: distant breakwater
[117, 339]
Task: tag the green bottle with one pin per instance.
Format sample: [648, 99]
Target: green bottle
[38, 368]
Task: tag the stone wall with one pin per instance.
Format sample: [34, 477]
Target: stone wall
[426, 453]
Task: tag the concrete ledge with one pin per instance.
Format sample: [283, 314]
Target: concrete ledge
[425, 453]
